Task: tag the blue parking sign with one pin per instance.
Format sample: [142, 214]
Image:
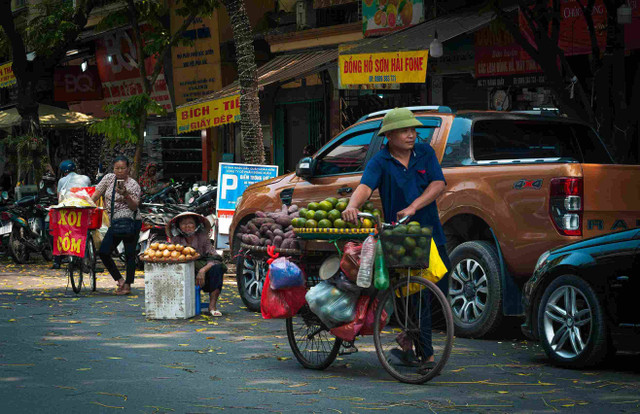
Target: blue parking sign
[233, 179]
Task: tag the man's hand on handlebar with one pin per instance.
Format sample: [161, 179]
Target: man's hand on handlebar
[350, 214]
[407, 212]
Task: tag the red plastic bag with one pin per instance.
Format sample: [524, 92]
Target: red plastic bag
[283, 303]
[369, 322]
[89, 190]
[349, 331]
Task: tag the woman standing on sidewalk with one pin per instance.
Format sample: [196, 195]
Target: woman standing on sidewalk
[122, 196]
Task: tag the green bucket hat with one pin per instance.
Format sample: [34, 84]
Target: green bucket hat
[398, 118]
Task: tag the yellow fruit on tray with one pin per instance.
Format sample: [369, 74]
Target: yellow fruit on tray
[175, 255]
[188, 257]
[179, 247]
[182, 257]
[154, 246]
[171, 247]
[166, 253]
[162, 246]
[158, 254]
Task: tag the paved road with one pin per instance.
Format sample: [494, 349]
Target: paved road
[96, 352]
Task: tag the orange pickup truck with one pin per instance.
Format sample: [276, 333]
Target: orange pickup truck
[518, 184]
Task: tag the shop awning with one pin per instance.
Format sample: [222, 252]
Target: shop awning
[280, 69]
[50, 116]
[420, 36]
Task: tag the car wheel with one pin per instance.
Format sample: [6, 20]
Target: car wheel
[571, 323]
[475, 292]
[250, 275]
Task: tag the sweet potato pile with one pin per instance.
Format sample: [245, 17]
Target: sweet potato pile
[271, 229]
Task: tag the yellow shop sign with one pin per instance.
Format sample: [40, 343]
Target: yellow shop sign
[6, 75]
[208, 114]
[392, 67]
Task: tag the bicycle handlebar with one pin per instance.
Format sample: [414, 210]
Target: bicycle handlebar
[381, 225]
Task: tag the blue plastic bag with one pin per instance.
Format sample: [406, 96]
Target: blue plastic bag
[285, 274]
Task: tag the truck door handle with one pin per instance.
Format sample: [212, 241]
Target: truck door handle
[345, 190]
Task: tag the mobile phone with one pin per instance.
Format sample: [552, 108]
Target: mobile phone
[120, 183]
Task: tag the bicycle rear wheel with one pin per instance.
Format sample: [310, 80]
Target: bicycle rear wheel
[311, 342]
[74, 271]
[420, 326]
[89, 262]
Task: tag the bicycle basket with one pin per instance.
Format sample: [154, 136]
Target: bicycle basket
[407, 246]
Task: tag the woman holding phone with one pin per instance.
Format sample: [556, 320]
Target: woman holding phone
[122, 196]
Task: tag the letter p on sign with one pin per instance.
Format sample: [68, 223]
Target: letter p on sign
[229, 183]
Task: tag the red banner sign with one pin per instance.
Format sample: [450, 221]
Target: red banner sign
[69, 228]
[574, 37]
[118, 62]
[72, 84]
[498, 54]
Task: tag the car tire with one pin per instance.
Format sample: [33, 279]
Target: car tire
[562, 334]
[250, 275]
[475, 290]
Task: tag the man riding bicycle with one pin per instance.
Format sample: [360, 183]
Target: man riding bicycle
[409, 178]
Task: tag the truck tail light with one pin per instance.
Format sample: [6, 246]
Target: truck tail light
[566, 205]
[5, 216]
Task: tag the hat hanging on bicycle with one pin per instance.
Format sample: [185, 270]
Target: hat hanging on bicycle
[172, 228]
[67, 166]
[398, 118]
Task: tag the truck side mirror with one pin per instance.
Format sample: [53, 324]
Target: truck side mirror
[305, 167]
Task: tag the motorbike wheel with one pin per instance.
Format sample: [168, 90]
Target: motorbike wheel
[19, 251]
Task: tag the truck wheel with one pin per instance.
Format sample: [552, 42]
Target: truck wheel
[572, 325]
[475, 292]
[250, 275]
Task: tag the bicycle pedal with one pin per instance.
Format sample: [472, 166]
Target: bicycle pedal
[348, 349]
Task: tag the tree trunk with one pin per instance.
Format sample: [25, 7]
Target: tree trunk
[252, 141]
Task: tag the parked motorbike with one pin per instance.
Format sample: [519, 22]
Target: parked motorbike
[172, 194]
[5, 226]
[29, 229]
[201, 193]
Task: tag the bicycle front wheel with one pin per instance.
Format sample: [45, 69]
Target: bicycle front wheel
[74, 271]
[413, 331]
[89, 262]
[311, 342]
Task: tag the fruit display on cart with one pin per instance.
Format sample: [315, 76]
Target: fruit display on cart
[169, 253]
[327, 214]
[271, 229]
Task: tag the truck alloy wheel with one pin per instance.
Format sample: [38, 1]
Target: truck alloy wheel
[571, 323]
[250, 275]
[475, 292]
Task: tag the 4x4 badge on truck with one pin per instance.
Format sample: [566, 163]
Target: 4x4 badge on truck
[522, 184]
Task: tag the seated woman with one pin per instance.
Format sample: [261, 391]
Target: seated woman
[192, 230]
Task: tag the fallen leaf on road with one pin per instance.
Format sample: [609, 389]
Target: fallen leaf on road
[124, 397]
[73, 322]
[347, 398]
[62, 387]
[503, 392]
[12, 320]
[107, 406]
[302, 384]
[183, 344]
[284, 358]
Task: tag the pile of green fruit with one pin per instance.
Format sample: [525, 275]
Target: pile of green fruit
[328, 214]
[407, 245]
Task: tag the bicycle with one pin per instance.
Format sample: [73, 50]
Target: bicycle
[400, 339]
[86, 263]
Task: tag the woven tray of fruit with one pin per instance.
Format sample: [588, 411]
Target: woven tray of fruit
[323, 221]
[169, 253]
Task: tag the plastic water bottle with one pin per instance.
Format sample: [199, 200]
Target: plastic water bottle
[367, 256]
[381, 279]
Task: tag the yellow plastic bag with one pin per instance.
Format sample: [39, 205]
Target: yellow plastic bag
[433, 273]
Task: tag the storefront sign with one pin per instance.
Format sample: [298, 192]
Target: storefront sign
[118, 62]
[393, 67]
[574, 37]
[69, 228]
[233, 179]
[72, 84]
[534, 79]
[196, 68]
[6, 75]
[498, 54]
[208, 114]
[386, 16]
